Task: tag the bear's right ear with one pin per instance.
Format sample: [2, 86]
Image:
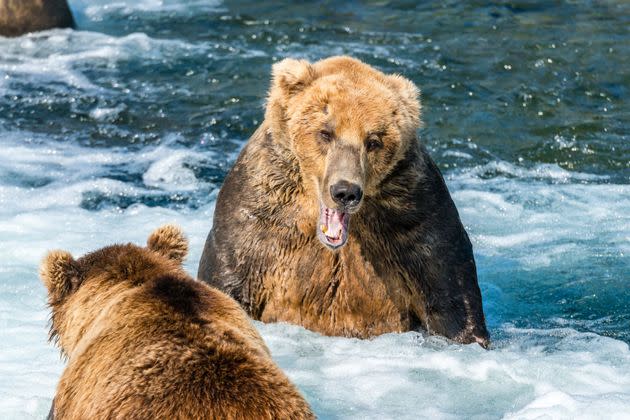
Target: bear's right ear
[291, 76]
[60, 274]
[169, 240]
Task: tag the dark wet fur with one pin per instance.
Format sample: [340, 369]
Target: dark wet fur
[410, 233]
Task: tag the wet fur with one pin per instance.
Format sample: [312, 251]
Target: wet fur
[408, 262]
[145, 341]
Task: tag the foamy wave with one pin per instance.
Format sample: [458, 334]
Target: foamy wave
[171, 172]
[538, 215]
[518, 216]
[395, 375]
[59, 175]
[80, 231]
[457, 154]
[59, 55]
[107, 114]
[96, 9]
[543, 171]
[54, 68]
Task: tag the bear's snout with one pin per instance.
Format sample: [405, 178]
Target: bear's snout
[346, 194]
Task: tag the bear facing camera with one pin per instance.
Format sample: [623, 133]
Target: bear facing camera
[336, 218]
[143, 340]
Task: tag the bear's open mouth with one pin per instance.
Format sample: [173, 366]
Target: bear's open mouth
[332, 228]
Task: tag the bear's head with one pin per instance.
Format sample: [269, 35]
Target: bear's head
[348, 125]
[78, 288]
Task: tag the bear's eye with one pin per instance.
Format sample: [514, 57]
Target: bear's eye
[373, 143]
[326, 136]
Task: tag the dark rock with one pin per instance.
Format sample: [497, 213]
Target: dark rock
[18, 17]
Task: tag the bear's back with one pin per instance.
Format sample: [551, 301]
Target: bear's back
[174, 348]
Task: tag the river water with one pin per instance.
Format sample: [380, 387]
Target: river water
[134, 119]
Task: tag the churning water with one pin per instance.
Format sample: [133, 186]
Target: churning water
[134, 119]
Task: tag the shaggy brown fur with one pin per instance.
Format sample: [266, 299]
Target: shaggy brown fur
[145, 341]
[18, 17]
[407, 263]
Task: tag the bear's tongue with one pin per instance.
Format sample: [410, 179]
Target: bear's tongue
[332, 228]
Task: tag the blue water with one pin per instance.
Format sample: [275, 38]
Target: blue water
[134, 119]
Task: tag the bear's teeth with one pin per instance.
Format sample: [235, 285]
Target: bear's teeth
[324, 228]
[336, 236]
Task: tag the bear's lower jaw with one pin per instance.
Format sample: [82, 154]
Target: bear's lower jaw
[332, 227]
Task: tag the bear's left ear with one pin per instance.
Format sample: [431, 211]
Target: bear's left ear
[60, 275]
[291, 76]
[410, 97]
[169, 240]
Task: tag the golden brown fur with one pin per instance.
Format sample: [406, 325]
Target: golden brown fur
[145, 341]
[407, 262]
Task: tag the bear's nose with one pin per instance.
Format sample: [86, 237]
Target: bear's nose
[346, 194]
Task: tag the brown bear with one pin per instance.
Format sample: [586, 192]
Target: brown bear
[336, 218]
[18, 17]
[146, 341]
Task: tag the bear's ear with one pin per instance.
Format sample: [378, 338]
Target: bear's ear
[410, 96]
[291, 76]
[60, 274]
[169, 240]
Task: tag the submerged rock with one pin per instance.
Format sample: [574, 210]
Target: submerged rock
[18, 17]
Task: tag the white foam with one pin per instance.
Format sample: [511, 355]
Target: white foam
[171, 173]
[57, 56]
[107, 113]
[457, 154]
[401, 375]
[74, 170]
[546, 171]
[95, 9]
[542, 214]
